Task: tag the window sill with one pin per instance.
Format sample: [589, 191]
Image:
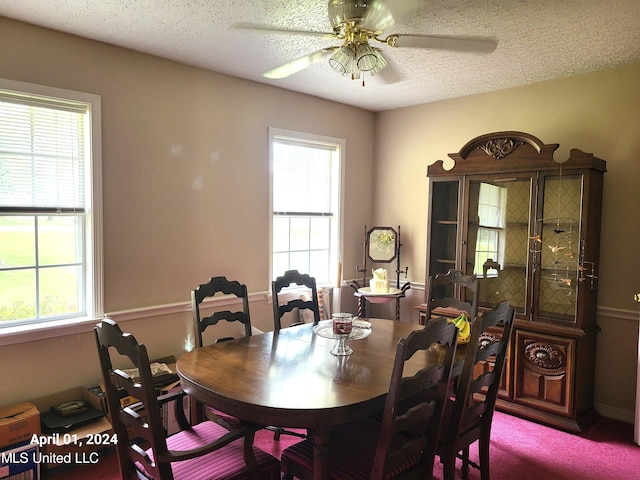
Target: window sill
[43, 331]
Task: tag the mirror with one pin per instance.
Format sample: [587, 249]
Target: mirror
[382, 244]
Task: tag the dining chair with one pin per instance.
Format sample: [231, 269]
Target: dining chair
[375, 449]
[203, 451]
[469, 414]
[453, 291]
[214, 286]
[308, 301]
[304, 302]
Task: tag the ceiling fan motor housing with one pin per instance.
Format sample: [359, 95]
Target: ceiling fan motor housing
[343, 12]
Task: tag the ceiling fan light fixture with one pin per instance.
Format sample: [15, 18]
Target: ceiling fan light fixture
[381, 63]
[366, 57]
[343, 61]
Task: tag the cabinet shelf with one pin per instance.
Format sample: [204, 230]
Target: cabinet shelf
[447, 261]
[515, 266]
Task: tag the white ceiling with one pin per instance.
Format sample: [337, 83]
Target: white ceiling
[538, 40]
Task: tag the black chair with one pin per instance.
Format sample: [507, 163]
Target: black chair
[144, 450]
[452, 292]
[373, 449]
[293, 277]
[211, 288]
[469, 415]
[300, 302]
[214, 286]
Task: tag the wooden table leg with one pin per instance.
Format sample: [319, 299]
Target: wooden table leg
[321, 455]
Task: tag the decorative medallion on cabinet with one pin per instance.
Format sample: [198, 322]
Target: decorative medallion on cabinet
[529, 228]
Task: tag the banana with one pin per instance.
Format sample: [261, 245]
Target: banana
[464, 327]
[465, 331]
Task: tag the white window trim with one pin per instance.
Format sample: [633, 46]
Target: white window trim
[94, 248]
[279, 132]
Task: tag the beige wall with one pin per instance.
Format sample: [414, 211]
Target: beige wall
[185, 176]
[185, 179]
[597, 113]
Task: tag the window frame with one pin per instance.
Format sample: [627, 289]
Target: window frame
[337, 211]
[93, 222]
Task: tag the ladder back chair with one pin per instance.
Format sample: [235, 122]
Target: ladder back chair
[309, 303]
[293, 277]
[453, 292]
[373, 449]
[203, 451]
[469, 415]
[211, 288]
[214, 286]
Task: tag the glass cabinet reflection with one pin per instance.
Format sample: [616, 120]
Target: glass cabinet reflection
[498, 238]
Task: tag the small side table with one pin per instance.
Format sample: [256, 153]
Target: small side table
[365, 295]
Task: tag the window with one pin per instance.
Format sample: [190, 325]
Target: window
[491, 221]
[50, 211]
[306, 173]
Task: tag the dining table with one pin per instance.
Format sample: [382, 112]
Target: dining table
[291, 379]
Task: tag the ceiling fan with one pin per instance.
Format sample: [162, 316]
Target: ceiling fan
[357, 23]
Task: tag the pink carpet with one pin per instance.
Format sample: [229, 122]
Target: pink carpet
[520, 450]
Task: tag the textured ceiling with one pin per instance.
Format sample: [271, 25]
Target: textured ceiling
[538, 40]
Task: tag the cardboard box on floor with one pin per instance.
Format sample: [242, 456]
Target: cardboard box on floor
[83, 442]
[18, 423]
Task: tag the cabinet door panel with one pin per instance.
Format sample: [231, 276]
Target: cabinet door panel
[544, 371]
[559, 247]
[443, 229]
[498, 230]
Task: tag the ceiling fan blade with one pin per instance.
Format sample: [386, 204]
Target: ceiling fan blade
[381, 14]
[257, 27]
[460, 44]
[299, 64]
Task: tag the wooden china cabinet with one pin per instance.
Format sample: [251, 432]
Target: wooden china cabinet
[529, 228]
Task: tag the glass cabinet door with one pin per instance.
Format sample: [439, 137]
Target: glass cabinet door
[498, 231]
[558, 247]
[443, 234]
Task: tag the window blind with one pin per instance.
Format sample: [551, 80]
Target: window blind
[302, 177]
[42, 153]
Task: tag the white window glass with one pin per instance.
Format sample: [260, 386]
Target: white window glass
[305, 203]
[50, 217]
[492, 202]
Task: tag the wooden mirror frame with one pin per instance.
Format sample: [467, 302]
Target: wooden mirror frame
[381, 244]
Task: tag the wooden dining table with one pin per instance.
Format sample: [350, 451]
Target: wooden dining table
[290, 379]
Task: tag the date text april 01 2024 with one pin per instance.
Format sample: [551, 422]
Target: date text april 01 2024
[98, 439]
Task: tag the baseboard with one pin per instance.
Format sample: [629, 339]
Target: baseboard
[615, 413]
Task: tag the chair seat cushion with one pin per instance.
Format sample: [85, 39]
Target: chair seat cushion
[225, 463]
[353, 448]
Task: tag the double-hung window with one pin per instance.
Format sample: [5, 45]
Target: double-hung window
[306, 172]
[50, 212]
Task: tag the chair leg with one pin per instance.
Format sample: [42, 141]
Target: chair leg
[465, 463]
[483, 453]
[284, 468]
[448, 466]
